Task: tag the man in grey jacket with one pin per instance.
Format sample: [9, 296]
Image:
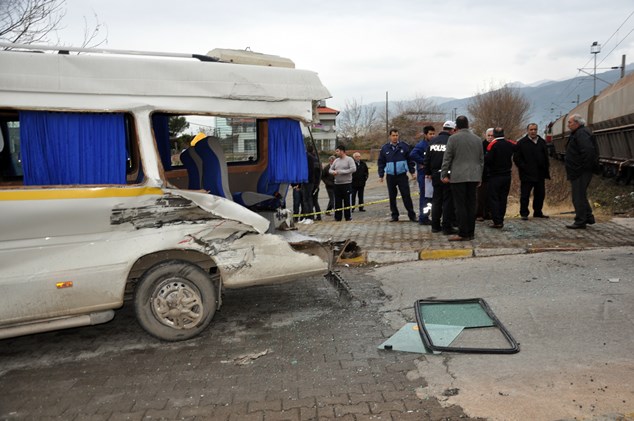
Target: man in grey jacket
[462, 167]
[342, 168]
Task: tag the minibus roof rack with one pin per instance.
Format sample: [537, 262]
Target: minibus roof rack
[67, 50]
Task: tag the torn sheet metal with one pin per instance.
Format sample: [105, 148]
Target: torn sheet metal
[245, 258]
[246, 359]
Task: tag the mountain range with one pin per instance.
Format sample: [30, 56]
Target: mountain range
[551, 99]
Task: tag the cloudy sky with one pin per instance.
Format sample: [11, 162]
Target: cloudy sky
[363, 48]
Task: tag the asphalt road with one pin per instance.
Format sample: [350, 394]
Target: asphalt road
[572, 312]
[298, 351]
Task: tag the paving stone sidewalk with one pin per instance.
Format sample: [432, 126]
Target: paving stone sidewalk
[375, 233]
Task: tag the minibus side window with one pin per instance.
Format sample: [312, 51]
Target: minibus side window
[66, 148]
[237, 135]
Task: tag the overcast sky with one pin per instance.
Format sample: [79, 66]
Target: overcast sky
[363, 48]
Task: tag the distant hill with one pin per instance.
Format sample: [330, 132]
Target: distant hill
[549, 99]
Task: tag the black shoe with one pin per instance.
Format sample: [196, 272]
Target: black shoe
[541, 215]
[436, 230]
[524, 218]
[318, 218]
[459, 238]
[361, 210]
[576, 226]
[427, 222]
[450, 231]
[394, 220]
[590, 221]
[497, 225]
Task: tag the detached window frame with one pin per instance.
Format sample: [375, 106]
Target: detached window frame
[487, 320]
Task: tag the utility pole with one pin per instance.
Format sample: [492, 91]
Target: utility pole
[622, 66]
[387, 128]
[595, 49]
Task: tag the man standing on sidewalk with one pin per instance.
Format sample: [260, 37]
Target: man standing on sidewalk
[394, 163]
[418, 156]
[582, 156]
[329, 182]
[498, 163]
[441, 202]
[531, 159]
[462, 167]
[342, 168]
[359, 178]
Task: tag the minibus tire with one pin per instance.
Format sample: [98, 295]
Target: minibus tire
[175, 300]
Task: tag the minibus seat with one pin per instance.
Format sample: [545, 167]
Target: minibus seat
[276, 193]
[194, 165]
[215, 178]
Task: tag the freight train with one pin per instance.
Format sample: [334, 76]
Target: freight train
[610, 115]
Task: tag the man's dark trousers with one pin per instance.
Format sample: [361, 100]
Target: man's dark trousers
[402, 183]
[583, 211]
[464, 201]
[342, 200]
[442, 206]
[539, 193]
[498, 193]
[354, 192]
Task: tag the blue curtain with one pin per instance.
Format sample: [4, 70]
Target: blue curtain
[72, 148]
[287, 154]
[160, 124]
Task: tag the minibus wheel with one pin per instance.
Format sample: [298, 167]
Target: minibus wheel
[175, 300]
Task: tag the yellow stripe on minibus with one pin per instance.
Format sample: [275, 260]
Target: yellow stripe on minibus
[78, 193]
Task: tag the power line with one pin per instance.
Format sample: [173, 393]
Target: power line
[615, 32]
[565, 90]
[606, 56]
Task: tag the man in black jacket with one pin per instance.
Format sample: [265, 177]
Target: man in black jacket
[329, 182]
[498, 163]
[582, 157]
[441, 202]
[531, 159]
[359, 178]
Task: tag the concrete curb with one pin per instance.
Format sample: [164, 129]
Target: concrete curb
[391, 256]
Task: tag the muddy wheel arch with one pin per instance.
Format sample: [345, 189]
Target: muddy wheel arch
[202, 260]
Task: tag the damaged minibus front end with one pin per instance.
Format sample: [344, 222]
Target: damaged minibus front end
[235, 238]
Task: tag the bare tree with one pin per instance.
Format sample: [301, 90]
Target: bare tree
[36, 21]
[504, 107]
[413, 114]
[357, 120]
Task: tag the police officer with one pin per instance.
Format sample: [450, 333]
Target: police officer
[441, 202]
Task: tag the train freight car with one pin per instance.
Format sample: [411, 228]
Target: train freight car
[610, 115]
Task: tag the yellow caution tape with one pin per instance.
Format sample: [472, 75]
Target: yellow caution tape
[300, 215]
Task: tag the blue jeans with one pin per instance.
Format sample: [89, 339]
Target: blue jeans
[424, 203]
